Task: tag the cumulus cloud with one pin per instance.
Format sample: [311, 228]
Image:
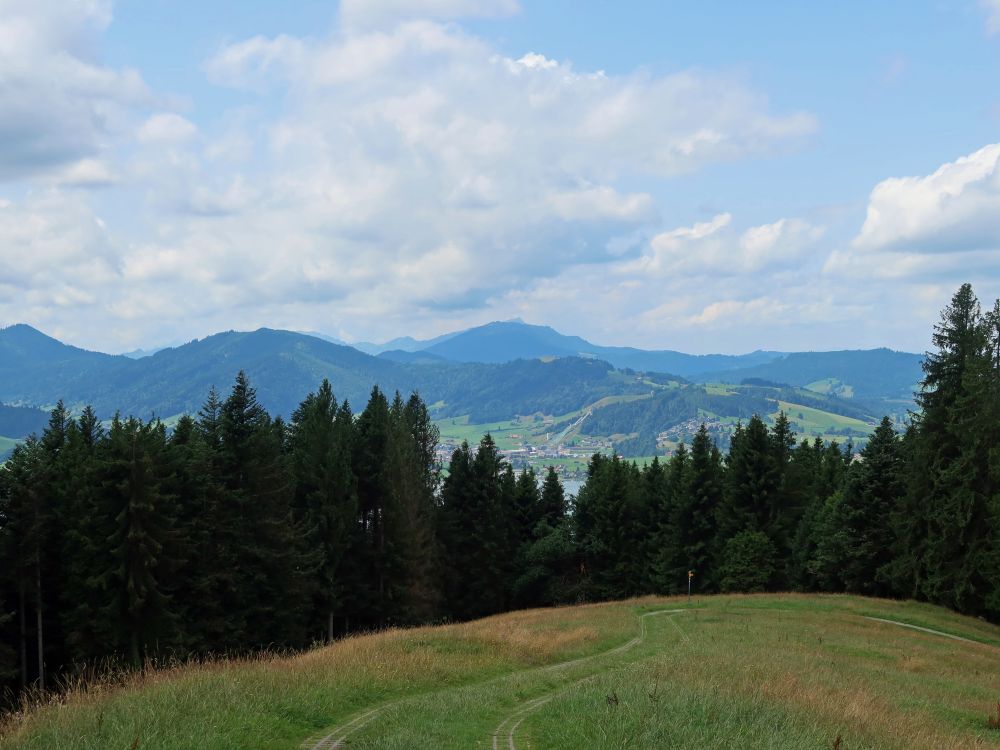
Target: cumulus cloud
[55, 256]
[414, 170]
[954, 208]
[57, 104]
[400, 175]
[947, 222]
[715, 247]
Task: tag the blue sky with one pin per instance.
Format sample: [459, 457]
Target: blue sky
[698, 176]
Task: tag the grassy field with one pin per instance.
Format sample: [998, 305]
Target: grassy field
[774, 671]
[811, 422]
[832, 386]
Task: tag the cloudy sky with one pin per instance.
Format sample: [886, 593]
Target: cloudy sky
[712, 176]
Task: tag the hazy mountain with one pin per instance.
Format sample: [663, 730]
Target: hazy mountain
[508, 340]
[21, 421]
[403, 344]
[869, 373]
[140, 353]
[505, 369]
[284, 366]
[415, 357]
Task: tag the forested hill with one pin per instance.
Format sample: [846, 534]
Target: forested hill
[878, 373]
[504, 341]
[37, 370]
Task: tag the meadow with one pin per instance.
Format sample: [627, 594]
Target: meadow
[774, 671]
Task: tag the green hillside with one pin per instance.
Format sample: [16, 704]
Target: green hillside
[284, 366]
[776, 671]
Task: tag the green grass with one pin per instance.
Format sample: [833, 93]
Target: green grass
[810, 421]
[832, 387]
[774, 671]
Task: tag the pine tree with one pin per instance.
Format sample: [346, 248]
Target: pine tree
[369, 463]
[87, 524]
[697, 510]
[607, 517]
[476, 520]
[272, 563]
[411, 476]
[140, 606]
[553, 499]
[952, 460]
[326, 495]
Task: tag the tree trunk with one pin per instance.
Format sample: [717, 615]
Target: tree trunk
[38, 610]
[329, 627]
[23, 626]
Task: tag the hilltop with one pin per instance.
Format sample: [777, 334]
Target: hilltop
[788, 671]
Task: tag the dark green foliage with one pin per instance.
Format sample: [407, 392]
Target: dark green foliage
[134, 584]
[749, 562]
[613, 529]
[478, 523]
[694, 514]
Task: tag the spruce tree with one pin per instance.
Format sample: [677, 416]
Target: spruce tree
[325, 495]
[139, 605]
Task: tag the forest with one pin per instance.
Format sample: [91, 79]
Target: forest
[233, 531]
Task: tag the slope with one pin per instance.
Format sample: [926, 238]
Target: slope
[284, 367]
[782, 671]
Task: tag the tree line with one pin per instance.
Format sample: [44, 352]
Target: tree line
[234, 530]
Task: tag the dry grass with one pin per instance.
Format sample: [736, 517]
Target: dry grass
[756, 671]
[268, 700]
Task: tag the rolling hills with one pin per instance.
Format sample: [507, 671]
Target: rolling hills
[776, 671]
[489, 373]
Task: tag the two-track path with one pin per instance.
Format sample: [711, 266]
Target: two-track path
[338, 736]
[503, 735]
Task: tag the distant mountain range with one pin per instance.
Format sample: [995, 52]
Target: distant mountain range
[876, 373]
[490, 372]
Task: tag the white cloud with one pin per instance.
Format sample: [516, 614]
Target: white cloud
[58, 105]
[395, 177]
[957, 207]
[86, 173]
[600, 203]
[992, 8]
[369, 13]
[166, 127]
[716, 248]
[947, 222]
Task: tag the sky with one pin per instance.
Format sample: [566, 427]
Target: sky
[706, 177]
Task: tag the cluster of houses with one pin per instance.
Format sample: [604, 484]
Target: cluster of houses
[684, 431]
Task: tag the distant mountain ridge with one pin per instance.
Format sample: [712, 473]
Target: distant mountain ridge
[490, 372]
[502, 341]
